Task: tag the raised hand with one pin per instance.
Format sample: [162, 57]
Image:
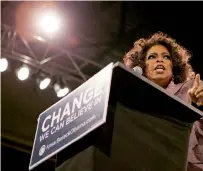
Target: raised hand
[196, 92]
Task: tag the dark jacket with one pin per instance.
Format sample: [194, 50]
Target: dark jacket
[195, 152]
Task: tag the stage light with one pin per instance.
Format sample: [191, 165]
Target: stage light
[3, 64]
[49, 22]
[23, 73]
[61, 92]
[44, 83]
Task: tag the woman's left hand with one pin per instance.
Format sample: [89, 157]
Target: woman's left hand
[196, 92]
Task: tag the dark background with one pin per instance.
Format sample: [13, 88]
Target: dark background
[93, 34]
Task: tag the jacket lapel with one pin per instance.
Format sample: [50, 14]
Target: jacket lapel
[173, 88]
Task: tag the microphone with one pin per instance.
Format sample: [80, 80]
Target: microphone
[138, 70]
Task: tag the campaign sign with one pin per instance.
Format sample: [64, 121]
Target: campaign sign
[71, 118]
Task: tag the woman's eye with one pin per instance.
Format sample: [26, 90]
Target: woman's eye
[151, 57]
[167, 57]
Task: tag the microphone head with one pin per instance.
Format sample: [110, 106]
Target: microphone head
[138, 70]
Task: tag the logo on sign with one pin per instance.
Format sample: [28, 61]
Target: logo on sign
[42, 150]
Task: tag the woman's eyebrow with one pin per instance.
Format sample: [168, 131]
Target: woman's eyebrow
[165, 53]
[153, 53]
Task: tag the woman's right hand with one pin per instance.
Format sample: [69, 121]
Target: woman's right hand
[196, 92]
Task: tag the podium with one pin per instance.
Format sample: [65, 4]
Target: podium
[146, 129]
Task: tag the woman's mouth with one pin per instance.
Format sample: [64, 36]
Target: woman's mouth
[159, 68]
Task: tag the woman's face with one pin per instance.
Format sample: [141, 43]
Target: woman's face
[158, 65]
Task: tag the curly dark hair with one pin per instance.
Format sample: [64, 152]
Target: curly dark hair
[180, 56]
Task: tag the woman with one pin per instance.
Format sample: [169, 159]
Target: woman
[166, 63]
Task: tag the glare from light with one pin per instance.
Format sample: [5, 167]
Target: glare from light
[61, 92]
[44, 83]
[3, 64]
[49, 22]
[23, 73]
[39, 38]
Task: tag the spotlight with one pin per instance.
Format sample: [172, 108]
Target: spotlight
[3, 64]
[49, 22]
[23, 73]
[60, 92]
[44, 83]
[42, 79]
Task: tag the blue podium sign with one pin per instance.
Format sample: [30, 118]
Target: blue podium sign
[71, 118]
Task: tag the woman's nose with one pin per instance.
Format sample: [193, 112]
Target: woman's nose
[159, 59]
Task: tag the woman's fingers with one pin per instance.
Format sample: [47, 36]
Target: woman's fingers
[200, 101]
[199, 90]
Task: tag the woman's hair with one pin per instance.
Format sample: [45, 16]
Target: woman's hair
[182, 70]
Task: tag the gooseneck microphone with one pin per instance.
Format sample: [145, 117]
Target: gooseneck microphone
[138, 70]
